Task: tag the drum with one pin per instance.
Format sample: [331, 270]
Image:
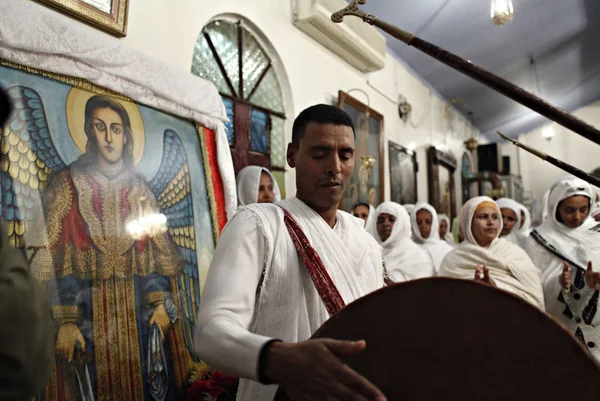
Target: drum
[446, 339]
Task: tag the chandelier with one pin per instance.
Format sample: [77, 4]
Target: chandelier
[502, 11]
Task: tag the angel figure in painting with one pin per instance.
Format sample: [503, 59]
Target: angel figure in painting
[117, 254]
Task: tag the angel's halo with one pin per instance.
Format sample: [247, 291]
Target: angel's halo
[75, 109]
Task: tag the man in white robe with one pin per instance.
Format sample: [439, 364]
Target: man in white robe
[260, 305]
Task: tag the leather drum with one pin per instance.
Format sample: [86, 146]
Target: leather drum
[446, 339]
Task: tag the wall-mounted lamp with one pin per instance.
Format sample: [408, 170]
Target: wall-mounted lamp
[548, 133]
[404, 108]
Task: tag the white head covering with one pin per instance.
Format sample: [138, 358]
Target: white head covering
[434, 245]
[507, 203]
[409, 207]
[248, 181]
[448, 237]
[371, 220]
[523, 233]
[404, 260]
[509, 265]
[526, 229]
[539, 210]
[578, 245]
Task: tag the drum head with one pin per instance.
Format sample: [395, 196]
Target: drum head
[446, 339]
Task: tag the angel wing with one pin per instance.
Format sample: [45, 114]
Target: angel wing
[27, 159]
[172, 188]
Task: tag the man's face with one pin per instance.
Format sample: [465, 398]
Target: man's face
[324, 162]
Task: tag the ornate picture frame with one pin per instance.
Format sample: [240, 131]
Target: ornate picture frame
[440, 174]
[403, 174]
[107, 15]
[366, 183]
[111, 262]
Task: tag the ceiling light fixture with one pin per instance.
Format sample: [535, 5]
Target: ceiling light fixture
[502, 11]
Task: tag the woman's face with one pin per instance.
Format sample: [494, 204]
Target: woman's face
[109, 133]
[573, 211]
[362, 212]
[485, 225]
[385, 223]
[265, 189]
[424, 220]
[509, 219]
[443, 228]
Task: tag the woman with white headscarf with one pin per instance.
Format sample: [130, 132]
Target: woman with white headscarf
[409, 207]
[525, 229]
[404, 260]
[366, 212]
[446, 229]
[256, 184]
[425, 228]
[566, 248]
[511, 219]
[539, 210]
[505, 265]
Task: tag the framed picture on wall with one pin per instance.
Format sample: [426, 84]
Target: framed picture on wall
[441, 168]
[114, 205]
[366, 183]
[403, 174]
[107, 15]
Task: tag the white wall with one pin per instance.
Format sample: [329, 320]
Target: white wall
[539, 175]
[168, 31]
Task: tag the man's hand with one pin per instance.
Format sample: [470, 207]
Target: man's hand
[68, 335]
[592, 279]
[485, 279]
[311, 370]
[565, 278]
[161, 318]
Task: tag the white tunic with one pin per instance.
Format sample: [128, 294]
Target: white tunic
[257, 289]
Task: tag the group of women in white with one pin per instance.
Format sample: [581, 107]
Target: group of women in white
[549, 257]
[546, 257]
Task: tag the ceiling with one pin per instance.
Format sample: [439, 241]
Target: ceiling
[560, 35]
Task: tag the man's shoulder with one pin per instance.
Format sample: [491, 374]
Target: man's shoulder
[357, 225]
[263, 216]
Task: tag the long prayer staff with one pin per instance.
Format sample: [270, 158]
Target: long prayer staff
[476, 72]
[558, 163]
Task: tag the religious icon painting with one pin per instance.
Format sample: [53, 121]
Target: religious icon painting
[107, 15]
[403, 174]
[114, 205]
[440, 174]
[366, 182]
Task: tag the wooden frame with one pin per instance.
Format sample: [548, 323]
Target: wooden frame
[438, 160]
[396, 174]
[375, 120]
[113, 22]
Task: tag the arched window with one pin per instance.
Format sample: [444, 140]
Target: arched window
[229, 55]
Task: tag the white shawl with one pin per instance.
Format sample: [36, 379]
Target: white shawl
[248, 182]
[579, 245]
[288, 305]
[449, 238]
[436, 247]
[509, 265]
[370, 224]
[404, 260]
[507, 203]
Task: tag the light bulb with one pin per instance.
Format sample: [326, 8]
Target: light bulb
[502, 11]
